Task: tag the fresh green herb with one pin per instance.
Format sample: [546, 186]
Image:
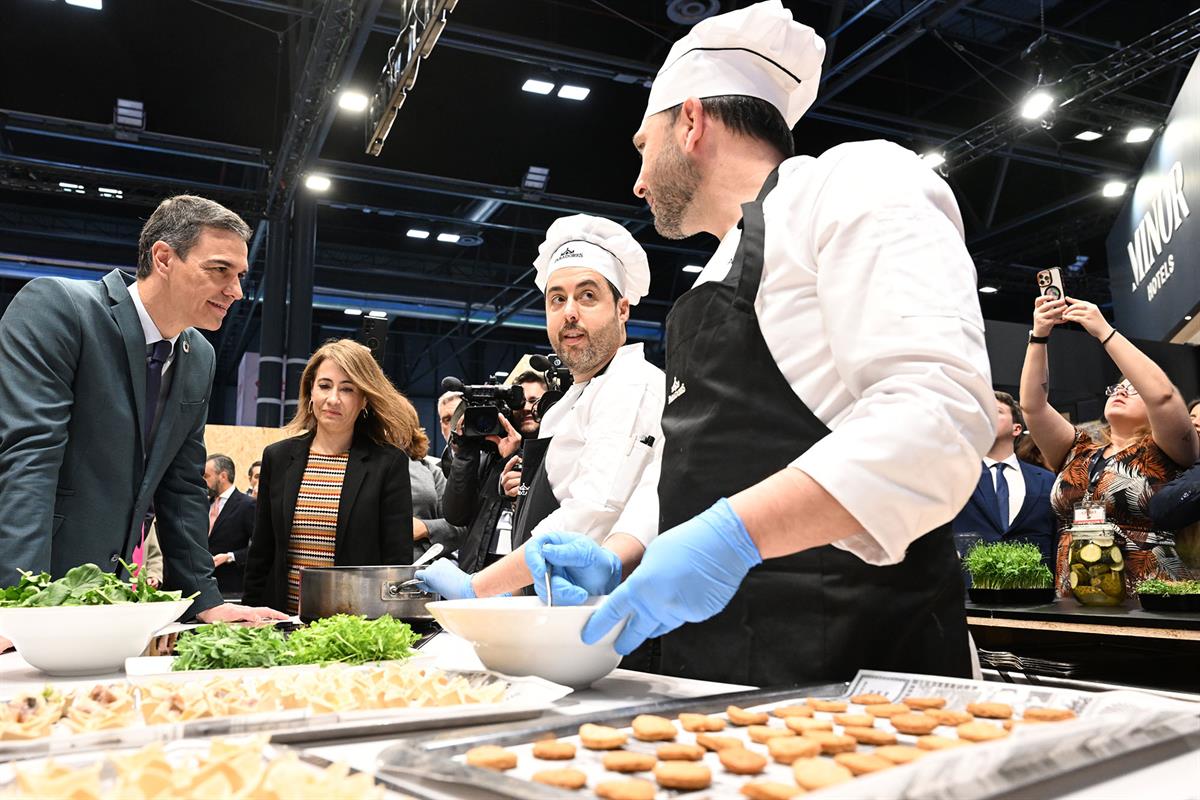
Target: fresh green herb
[1155, 586]
[85, 585]
[1007, 565]
[225, 646]
[352, 640]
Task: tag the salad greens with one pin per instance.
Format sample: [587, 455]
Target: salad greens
[342, 638]
[1007, 565]
[1156, 586]
[85, 585]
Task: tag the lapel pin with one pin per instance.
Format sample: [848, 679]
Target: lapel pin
[186, 347]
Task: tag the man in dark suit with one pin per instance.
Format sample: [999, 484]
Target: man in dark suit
[1012, 500]
[230, 524]
[104, 390]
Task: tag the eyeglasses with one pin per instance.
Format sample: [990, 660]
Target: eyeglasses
[1122, 388]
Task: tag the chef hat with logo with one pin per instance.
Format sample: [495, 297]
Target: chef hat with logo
[598, 244]
[758, 51]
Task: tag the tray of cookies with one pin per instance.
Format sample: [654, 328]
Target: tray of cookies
[876, 736]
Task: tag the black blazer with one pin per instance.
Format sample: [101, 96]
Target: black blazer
[231, 534]
[374, 513]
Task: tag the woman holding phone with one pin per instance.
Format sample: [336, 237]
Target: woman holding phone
[1148, 441]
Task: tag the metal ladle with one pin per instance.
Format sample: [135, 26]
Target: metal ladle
[429, 555]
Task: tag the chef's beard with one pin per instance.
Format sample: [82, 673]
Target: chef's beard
[673, 188]
[602, 344]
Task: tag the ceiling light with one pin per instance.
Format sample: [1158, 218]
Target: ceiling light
[129, 114]
[538, 87]
[1037, 104]
[318, 183]
[933, 160]
[95, 5]
[353, 312]
[1114, 189]
[417, 233]
[1139, 134]
[352, 101]
[693, 268]
[568, 92]
[1088, 136]
[448, 238]
[71, 187]
[988, 289]
[535, 179]
[115, 194]
[377, 314]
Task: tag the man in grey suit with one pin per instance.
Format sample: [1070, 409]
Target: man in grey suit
[104, 390]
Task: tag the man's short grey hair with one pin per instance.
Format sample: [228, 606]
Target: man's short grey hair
[446, 398]
[179, 221]
[222, 463]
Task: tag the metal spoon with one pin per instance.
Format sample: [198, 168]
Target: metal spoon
[433, 552]
[549, 596]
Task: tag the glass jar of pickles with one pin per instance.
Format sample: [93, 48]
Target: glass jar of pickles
[1097, 564]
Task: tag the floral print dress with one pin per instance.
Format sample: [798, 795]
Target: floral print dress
[1124, 482]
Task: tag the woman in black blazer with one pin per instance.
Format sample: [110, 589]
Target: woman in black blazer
[338, 493]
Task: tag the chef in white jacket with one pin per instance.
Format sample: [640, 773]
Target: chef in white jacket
[594, 467]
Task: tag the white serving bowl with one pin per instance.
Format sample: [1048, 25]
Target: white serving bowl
[86, 640]
[522, 636]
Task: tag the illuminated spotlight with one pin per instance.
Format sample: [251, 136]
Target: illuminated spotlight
[1114, 189]
[448, 238]
[353, 312]
[988, 290]
[417, 233]
[377, 314]
[538, 87]
[94, 5]
[693, 268]
[352, 101]
[933, 160]
[115, 194]
[69, 188]
[1088, 136]
[318, 183]
[535, 179]
[568, 92]
[1037, 104]
[1139, 134]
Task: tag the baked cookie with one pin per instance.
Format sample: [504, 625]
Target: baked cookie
[683, 775]
[990, 710]
[717, 743]
[806, 724]
[601, 737]
[783, 712]
[869, 699]
[764, 733]
[980, 731]
[924, 702]
[949, 716]
[875, 736]
[631, 789]
[789, 748]
[741, 761]
[833, 742]
[649, 728]
[899, 753]
[770, 790]
[701, 723]
[855, 720]
[564, 778]
[628, 761]
[1047, 714]
[917, 724]
[862, 763]
[740, 716]
[935, 742]
[490, 756]
[818, 773]
[679, 752]
[817, 704]
[553, 750]
[887, 709]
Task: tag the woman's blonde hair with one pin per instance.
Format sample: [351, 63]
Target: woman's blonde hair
[389, 418]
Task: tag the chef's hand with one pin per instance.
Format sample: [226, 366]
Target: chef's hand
[688, 574]
[1047, 313]
[510, 479]
[445, 578]
[231, 612]
[579, 568]
[510, 442]
[1089, 316]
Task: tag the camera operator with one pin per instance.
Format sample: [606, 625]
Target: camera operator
[594, 466]
[474, 496]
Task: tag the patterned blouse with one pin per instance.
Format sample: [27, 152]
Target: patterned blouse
[1125, 482]
[314, 523]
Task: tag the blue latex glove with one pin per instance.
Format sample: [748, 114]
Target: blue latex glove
[688, 574]
[579, 568]
[445, 578]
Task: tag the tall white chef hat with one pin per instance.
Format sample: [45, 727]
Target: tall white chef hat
[599, 244]
[757, 51]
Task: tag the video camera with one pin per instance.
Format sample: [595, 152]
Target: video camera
[484, 403]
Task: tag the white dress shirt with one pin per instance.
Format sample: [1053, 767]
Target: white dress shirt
[1016, 484]
[868, 304]
[149, 329]
[603, 475]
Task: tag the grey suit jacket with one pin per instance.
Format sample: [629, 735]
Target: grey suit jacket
[75, 480]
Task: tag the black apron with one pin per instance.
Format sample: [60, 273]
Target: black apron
[536, 500]
[732, 420]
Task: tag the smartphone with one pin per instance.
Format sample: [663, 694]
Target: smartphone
[1050, 283]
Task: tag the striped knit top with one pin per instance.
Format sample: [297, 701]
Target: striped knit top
[314, 523]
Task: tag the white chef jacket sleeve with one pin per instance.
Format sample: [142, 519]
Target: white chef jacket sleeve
[611, 488]
[896, 288]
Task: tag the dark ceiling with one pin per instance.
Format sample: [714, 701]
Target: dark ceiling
[217, 79]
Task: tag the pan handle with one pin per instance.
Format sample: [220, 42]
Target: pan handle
[399, 590]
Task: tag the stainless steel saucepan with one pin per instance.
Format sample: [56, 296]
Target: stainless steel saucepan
[370, 591]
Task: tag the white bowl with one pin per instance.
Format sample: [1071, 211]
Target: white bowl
[86, 640]
[521, 636]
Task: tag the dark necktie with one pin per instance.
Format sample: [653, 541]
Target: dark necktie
[1001, 493]
[156, 357]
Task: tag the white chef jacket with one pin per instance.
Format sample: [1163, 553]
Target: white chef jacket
[868, 304]
[1016, 484]
[603, 475]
